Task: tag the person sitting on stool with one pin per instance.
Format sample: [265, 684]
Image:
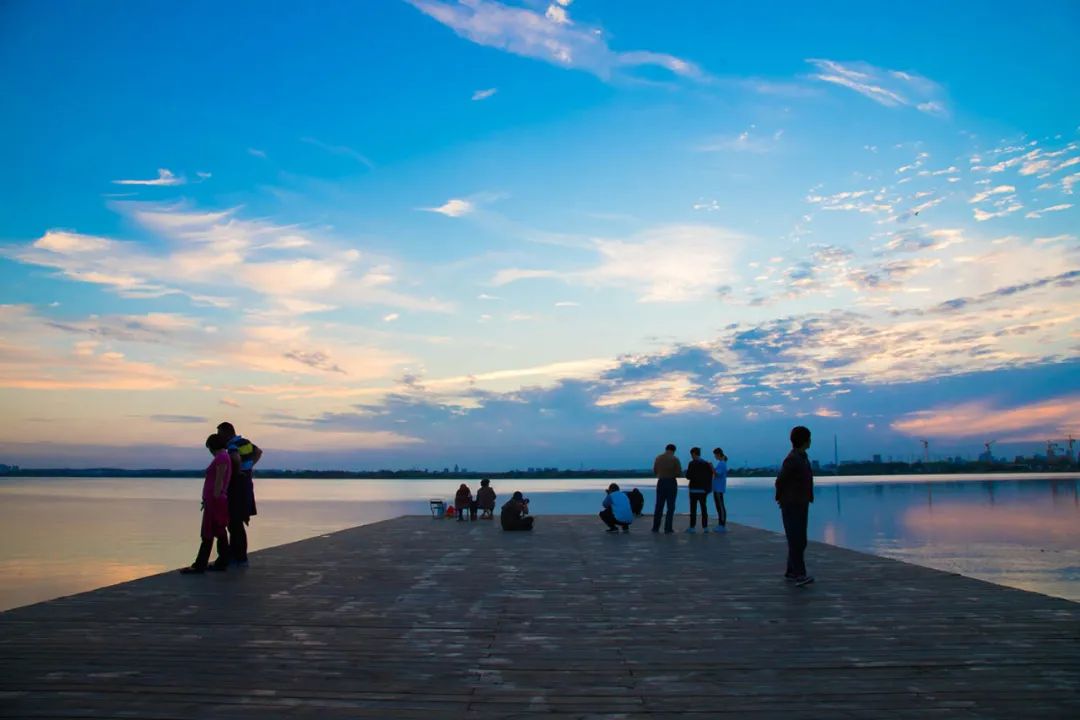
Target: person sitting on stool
[616, 512]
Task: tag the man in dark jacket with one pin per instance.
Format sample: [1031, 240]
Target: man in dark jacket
[515, 513]
[699, 484]
[794, 493]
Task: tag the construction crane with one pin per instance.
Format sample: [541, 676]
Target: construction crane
[925, 450]
[988, 456]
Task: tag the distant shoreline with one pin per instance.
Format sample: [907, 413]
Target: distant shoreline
[862, 469]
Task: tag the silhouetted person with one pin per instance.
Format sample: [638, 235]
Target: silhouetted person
[794, 493]
[485, 500]
[244, 454]
[463, 502]
[719, 487]
[215, 510]
[699, 483]
[637, 501]
[515, 513]
[616, 512]
[666, 468]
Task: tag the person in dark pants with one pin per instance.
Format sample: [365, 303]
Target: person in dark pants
[699, 483]
[515, 513]
[616, 513]
[215, 510]
[464, 503]
[794, 493]
[666, 468]
[244, 454]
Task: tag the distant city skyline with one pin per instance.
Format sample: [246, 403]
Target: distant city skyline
[536, 233]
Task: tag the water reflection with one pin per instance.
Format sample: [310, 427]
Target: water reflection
[62, 536]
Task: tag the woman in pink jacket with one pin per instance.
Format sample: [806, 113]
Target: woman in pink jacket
[215, 509]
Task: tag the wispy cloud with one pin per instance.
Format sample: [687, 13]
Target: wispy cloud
[982, 420]
[165, 178]
[255, 152]
[1053, 208]
[341, 150]
[484, 94]
[750, 140]
[454, 207]
[891, 88]
[552, 37]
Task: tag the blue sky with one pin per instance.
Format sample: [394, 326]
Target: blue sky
[431, 232]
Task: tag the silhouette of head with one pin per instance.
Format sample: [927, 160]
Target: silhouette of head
[695, 452]
[485, 482]
[800, 437]
[613, 487]
[670, 447]
[215, 442]
[226, 430]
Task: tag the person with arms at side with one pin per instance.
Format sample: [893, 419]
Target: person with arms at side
[616, 512]
[515, 513]
[666, 469]
[244, 454]
[699, 482]
[485, 500]
[719, 487]
[794, 493]
[215, 510]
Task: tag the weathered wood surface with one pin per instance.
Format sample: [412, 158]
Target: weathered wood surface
[417, 618]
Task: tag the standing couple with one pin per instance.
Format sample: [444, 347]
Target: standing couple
[228, 500]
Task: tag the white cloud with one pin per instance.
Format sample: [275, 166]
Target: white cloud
[891, 88]
[165, 178]
[391, 317]
[979, 197]
[255, 152]
[454, 207]
[674, 263]
[1053, 208]
[550, 37]
[484, 94]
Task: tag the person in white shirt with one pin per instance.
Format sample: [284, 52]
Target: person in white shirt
[616, 512]
[719, 487]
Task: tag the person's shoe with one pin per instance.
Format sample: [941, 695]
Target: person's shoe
[691, 530]
[704, 530]
[804, 580]
[192, 570]
[668, 531]
[789, 577]
[656, 530]
[626, 528]
[217, 568]
[613, 530]
[720, 528]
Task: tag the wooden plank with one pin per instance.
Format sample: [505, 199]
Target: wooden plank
[421, 618]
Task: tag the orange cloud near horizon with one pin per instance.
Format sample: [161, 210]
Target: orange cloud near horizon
[1058, 416]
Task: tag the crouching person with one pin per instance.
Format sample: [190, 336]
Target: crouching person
[616, 512]
[515, 513]
[215, 513]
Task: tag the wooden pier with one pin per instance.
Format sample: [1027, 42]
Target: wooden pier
[421, 618]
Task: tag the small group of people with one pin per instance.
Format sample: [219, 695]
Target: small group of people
[703, 478]
[514, 514]
[794, 492]
[228, 501]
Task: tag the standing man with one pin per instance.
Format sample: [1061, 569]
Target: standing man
[244, 454]
[794, 493]
[699, 483]
[616, 512]
[666, 468]
[719, 487]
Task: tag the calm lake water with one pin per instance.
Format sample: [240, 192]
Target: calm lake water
[60, 536]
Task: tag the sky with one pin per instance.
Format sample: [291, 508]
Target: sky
[420, 233]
